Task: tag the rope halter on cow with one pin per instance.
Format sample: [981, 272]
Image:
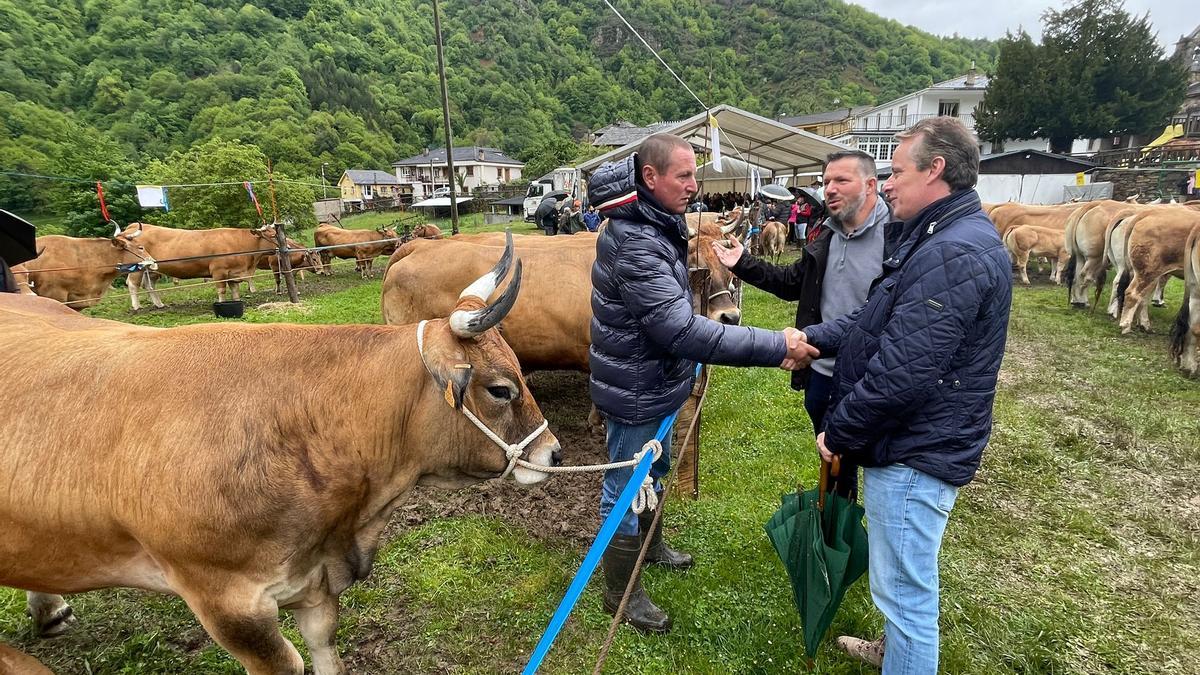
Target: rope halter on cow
[511, 450]
[470, 323]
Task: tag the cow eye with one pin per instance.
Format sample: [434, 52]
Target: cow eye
[500, 392]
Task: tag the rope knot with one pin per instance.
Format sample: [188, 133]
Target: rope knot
[647, 497]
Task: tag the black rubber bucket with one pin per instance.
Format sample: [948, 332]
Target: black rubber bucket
[230, 309]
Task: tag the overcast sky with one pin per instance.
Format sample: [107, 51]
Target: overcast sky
[990, 18]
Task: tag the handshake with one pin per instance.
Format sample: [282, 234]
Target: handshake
[799, 352]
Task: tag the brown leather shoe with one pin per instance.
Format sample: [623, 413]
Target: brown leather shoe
[870, 652]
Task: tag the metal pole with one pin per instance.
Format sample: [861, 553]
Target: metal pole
[324, 189]
[437, 28]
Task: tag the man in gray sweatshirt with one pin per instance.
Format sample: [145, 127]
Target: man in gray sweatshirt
[832, 277]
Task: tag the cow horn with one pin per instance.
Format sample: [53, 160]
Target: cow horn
[484, 286]
[469, 323]
[116, 229]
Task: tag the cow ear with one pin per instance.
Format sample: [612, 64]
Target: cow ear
[454, 384]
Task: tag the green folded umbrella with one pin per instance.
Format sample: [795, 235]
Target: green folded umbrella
[821, 540]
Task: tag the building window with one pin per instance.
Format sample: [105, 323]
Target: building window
[948, 108]
[470, 171]
[904, 115]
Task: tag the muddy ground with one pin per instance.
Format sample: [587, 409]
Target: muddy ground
[564, 507]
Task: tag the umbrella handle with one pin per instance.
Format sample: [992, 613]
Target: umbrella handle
[828, 470]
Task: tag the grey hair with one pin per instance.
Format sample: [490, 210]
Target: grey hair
[948, 138]
[866, 163]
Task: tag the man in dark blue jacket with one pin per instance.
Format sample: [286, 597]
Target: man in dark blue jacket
[915, 380]
[646, 340]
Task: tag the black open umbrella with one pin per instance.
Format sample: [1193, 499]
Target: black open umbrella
[18, 239]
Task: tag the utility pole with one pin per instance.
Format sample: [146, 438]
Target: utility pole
[437, 28]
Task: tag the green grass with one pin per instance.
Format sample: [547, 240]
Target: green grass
[1076, 550]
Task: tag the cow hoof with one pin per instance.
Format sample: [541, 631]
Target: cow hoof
[1159, 304]
[1079, 305]
[57, 623]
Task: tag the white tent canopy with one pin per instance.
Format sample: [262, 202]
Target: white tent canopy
[442, 202]
[773, 146]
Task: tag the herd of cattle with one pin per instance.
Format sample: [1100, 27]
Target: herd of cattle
[299, 519]
[1144, 245]
[78, 271]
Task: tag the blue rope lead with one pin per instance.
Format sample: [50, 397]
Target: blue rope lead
[607, 530]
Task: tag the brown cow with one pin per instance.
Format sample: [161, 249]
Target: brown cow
[774, 237]
[1026, 240]
[79, 271]
[1185, 336]
[13, 662]
[301, 259]
[361, 245]
[200, 254]
[1114, 255]
[1154, 247]
[1012, 214]
[1084, 242]
[426, 231]
[246, 504]
[550, 326]
[20, 275]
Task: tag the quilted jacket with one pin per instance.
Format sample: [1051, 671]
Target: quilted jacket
[645, 336]
[917, 364]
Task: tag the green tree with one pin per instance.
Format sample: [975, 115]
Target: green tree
[1098, 72]
[219, 161]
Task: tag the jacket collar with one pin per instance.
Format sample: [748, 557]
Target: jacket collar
[903, 238]
[633, 201]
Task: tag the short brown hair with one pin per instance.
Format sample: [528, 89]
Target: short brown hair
[657, 149]
[950, 139]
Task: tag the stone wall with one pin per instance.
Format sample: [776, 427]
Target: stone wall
[1148, 185]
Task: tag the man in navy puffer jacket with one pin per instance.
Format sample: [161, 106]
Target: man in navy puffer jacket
[646, 340]
[915, 380]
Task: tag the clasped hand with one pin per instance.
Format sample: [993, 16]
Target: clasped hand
[799, 353]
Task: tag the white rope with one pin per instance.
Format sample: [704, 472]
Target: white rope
[512, 451]
[660, 59]
[646, 496]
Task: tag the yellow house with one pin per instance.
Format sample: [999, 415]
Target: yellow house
[363, 186]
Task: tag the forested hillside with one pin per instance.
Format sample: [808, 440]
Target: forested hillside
[99, 88]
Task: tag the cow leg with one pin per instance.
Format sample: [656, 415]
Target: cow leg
[153, 292]
[326, 265]
[1190, 359]
[1113, 301]
[1023, 265]
[51, 614]
[1157, 300]
[133, 281]
[246, 624]
[1135, 298]
[318, 625]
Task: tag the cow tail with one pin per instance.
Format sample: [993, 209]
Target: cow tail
[1183, 319]
[1180, 330]
[1122, 286]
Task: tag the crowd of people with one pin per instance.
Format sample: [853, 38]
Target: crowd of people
[902, 311]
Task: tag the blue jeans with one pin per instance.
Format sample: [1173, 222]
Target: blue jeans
[624, 440]
[817, 395]
[907, 512]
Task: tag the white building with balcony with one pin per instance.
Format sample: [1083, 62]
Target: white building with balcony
[874, 130]
[476, 166]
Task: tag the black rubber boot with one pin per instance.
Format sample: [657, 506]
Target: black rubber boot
[640, 611]
[659, 553]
